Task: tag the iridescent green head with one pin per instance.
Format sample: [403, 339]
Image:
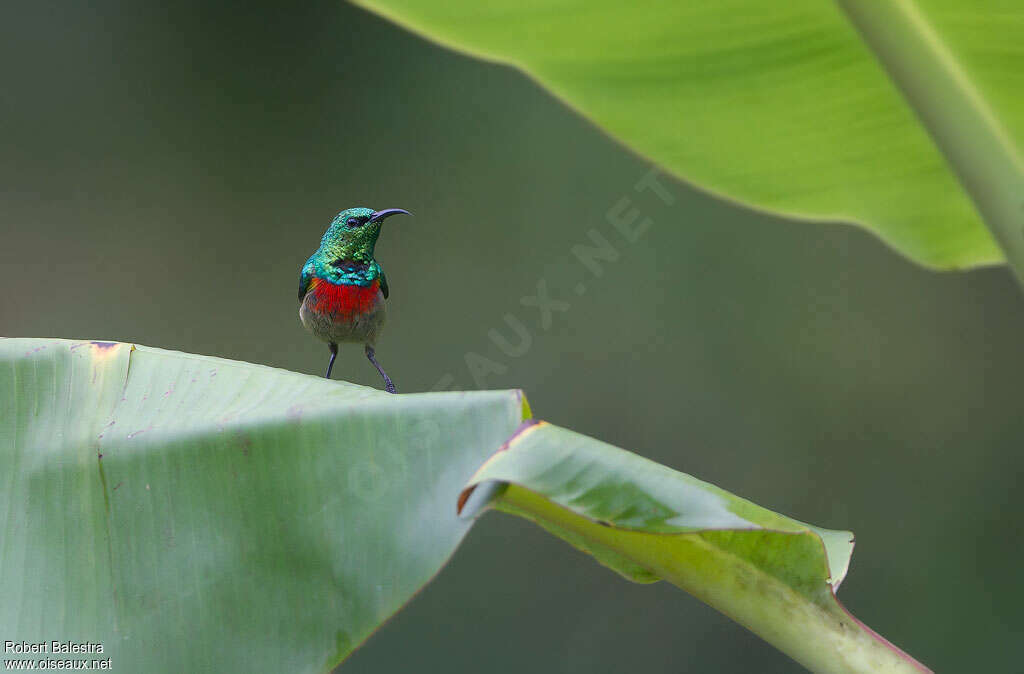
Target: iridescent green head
[345, 255]
[353, 233]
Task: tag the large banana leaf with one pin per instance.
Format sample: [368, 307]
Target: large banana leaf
[195, 514]
[807, 108]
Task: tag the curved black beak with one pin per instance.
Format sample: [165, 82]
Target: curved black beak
[388, 212]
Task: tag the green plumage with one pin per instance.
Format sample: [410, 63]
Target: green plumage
[345, 255]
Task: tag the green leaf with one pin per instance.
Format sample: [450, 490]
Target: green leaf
[648, 522]
[194, 514]
[784, 106]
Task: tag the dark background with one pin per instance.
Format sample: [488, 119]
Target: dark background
[164, 172]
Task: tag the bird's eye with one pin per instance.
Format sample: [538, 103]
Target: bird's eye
[354, 222]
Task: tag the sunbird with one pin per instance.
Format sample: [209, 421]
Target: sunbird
[342, 288]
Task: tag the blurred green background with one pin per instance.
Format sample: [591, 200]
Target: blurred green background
[165, 170]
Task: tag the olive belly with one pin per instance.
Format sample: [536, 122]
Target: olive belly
[344, 313]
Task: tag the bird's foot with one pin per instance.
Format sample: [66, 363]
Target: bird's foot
[388, 386]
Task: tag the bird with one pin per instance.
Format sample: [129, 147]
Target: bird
[342, 289]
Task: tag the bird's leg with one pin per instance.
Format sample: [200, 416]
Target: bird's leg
[334, 354]
[388, 386]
